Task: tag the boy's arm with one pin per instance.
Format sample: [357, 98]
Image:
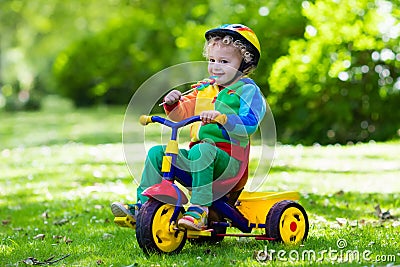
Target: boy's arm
[252, 110]
[182, 109]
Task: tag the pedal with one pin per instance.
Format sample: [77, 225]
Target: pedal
[197, 234]
[127, 221]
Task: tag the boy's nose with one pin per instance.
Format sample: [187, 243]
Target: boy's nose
[216, 66]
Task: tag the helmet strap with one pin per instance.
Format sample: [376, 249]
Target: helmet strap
[237, 75]
[245, 66]
[241, 71]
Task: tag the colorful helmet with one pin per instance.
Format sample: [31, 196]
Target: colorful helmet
[242, 33]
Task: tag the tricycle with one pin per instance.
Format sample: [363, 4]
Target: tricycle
[277, 214]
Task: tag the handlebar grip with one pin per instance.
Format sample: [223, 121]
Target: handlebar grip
[221, 119]
[144, 120]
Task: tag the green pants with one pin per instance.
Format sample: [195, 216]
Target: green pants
[203, 161]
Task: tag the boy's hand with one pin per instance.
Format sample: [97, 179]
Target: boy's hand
[172, 97]
[208, 116]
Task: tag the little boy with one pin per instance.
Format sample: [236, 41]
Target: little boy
[233, 51]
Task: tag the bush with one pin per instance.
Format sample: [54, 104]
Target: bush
[340, 83]
[108, 67]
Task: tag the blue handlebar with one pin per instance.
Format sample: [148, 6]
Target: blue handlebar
[175, 125]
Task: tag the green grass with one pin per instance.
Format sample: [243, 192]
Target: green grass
[61, 168]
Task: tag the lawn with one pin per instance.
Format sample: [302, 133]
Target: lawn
[61, 168]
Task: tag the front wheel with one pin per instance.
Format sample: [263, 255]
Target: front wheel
[287, 221]
[154, 232]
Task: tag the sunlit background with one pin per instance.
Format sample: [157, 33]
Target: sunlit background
[329, 68]
[68, 69]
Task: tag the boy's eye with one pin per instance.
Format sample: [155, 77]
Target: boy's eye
[223, 61]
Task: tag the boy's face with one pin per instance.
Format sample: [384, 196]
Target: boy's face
[224, 62]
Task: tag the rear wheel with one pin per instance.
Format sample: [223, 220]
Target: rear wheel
[287, 221]
[154, 232]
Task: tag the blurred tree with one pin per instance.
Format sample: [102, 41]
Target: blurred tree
[341, 81]
[117, 60]
[114, 62]
[329, 67]
[33, 33]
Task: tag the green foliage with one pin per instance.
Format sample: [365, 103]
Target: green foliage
[329, 69]
[114, 62]
[109, 65]
[33, 33]
[340, 83]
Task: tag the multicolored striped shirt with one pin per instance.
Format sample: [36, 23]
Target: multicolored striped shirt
[243, 104]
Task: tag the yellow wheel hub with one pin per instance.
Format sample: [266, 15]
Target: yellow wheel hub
[292, 226]
[164, 236]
